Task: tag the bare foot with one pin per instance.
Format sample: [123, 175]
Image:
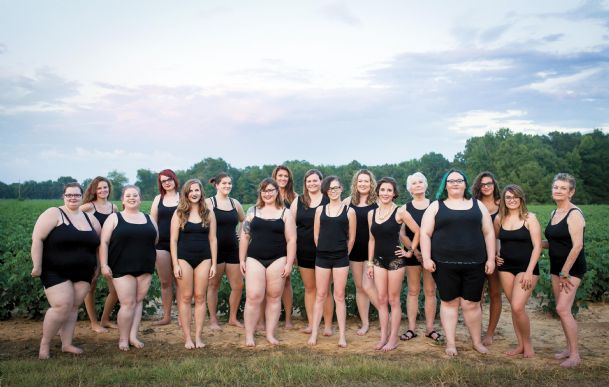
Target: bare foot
[98, 328]
[272, 340]
[199, 343]
[487, 340]
[363, 330]
[109, 324]
[306, 329]
[451, 351]
[289, 325]
[72, 349]
[380, 344]
[43, 353]
[480, 348]
[342, 342]
[136, 343]
[328, 331]
[214, 326]
[163, 321]
[189, 344]
[390, 346]
[312, 340]
[572, 361]
[514, 351]
[250, 342]
[123, 345]
[235, 323]
[562, 355]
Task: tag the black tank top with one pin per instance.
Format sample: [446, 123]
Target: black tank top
[226, 228]
[457, 235]
[333, 234]
[66, 247]
[417, 215]
[193, 241]
[362, 233]
[305, 218]
[494, 215]
[132, 247]
[516, 245]
[267, 238]
[386, 235]
[101, 217]
[560, 244]
[164, 215]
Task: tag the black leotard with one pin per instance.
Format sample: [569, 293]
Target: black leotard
[332, 249]
[69, 253]
[100, 216]
[131, 248]
[516, 250]
[193, 244]
[494, 215]
[267, 239]
[560, 242]
[417, 215]
[457, 235]
[226, 232]
[305, 244]
[164, 215]
[359, 252]
[386, 241]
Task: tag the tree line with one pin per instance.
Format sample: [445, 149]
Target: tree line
[525, 159]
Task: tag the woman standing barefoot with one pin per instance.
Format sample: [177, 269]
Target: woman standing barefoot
[193, 253]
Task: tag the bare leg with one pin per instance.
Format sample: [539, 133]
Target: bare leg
[255, 278]
[380, 280]
[507, 283]
[494, 290]
[111, 301]
[394, 287]
[339, 276]
[90, 305]
[274, 290]
[413, 277]
[564, 303]
[143, 283]
[126, 288]
[67, 330]
[322, 286]
[185, 285]
[308, 281]
[429, 288]
[288, 300]
[449, 314]
[236, 289]
[61, 300]
[472, 314]
[361, 298]
[520, 318]
[165, 272]
[328, 314]
[212, 297]
[201, 278]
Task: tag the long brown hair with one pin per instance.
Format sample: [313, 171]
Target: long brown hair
[305, 198]
[262, 186]
[184, 205]
[515, 190]
[90, 194]
[290, 195]
[372, 197]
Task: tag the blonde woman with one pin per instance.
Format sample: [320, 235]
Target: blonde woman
[194, 250]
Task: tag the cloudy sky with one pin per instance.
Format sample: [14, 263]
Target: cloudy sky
[87, 87]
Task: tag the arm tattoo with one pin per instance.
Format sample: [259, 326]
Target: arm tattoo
[246, 226]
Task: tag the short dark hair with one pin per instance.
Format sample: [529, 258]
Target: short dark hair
[325, 184]
[389, 180]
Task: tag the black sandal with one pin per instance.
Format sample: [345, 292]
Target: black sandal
[431, 334]
[408, 335]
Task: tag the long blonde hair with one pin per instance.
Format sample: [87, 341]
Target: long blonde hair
[184, 205]
[372, 197]
[515, 190]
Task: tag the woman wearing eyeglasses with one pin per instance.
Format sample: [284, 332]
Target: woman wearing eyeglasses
[458, 247]
[334, 233]
[96, 202]
[267, 249]
[127, 255]
[519, 234]
[162, 209]
[486, 189]
[565, 241]
[303, 209]
[64, 256]
[387, 260]
[285, 179]
[229, 214]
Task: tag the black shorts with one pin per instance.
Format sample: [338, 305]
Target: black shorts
[51, 278]
[389, 263]
[412, 261]
[515, 269]
[131, 273]
[194, 262]
[358, 258]
[306, 262]
[162, 245]
[266, 262]
[327, 262]
[228, 256]
[460, 280]
[578, 269]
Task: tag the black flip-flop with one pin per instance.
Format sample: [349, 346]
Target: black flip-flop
[437, 338]
[408, 335]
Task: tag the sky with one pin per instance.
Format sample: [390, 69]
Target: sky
[87, 87]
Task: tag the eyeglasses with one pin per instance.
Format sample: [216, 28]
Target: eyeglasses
[166, 181]
[487, 185]
[269, 191]
[72, 196]
[455, 181]
[511, 199]
[334, 189]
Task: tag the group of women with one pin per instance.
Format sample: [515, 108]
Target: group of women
[455, 242]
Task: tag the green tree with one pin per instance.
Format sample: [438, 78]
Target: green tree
[118, 180]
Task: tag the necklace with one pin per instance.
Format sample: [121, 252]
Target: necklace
[340, 207]
[383, 217]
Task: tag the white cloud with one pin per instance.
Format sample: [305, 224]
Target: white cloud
[481, 65]
[566, 85]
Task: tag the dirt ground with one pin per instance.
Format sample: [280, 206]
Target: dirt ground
[20, 338]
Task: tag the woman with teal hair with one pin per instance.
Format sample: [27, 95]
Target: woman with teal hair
[458, 247]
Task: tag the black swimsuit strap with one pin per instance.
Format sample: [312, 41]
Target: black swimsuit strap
[232, 203]
[88, 220]
[213, 202]
[63, 219]
[95, 208]
[282, 212]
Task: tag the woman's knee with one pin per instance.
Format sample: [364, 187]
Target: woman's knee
[200, 298]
